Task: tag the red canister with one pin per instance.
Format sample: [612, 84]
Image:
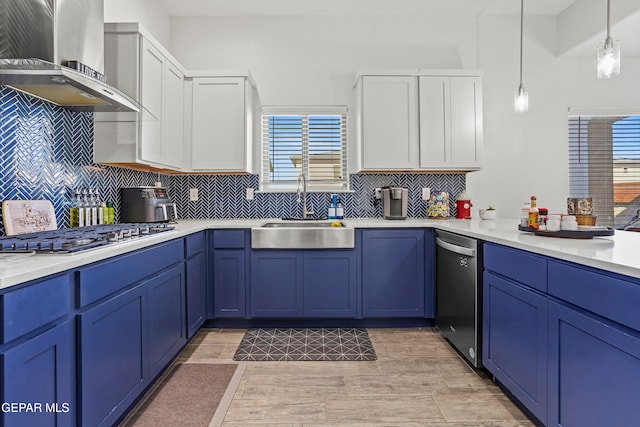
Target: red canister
[463, 206]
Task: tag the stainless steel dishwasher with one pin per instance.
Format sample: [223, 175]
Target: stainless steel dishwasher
[459, 293]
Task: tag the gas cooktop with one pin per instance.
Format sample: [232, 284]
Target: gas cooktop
[71, 240]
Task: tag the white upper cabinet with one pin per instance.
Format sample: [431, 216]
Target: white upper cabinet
[224, 124]
[173, 140]
[390, 127]
[139, 66]
[419, 120]
[450, 122]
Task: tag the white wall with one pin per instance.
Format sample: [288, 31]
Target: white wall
[526, 154]
[149, 13]
[313, 60]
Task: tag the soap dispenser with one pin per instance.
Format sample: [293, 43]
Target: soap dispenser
[331, 214]
[339, 209]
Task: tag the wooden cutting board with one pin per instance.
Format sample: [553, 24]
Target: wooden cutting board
[28, 216]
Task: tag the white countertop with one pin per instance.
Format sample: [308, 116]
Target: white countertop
[619, 253]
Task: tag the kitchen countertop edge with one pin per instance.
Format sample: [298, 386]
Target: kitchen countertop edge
[614, 254]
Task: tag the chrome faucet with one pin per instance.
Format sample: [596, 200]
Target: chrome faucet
[305, 212]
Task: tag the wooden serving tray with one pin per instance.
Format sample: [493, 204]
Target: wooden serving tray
[568, 234]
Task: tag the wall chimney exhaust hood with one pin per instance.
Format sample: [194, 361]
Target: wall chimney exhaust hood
[54, 50]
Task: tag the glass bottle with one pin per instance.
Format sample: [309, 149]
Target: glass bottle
[82, 208]
[534, 214]
[74, 212]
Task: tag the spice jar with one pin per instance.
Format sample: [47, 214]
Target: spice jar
[553, 222]
[569, 223]
[542, 218]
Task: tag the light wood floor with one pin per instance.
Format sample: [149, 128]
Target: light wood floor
[418, 380]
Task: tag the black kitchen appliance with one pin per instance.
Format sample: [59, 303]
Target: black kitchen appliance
[459, 293]
[146, 204]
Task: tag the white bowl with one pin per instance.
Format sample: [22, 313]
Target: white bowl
[487, 214]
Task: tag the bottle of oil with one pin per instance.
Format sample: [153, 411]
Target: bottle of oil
[110, 213]
[74, 212]
[534, 214]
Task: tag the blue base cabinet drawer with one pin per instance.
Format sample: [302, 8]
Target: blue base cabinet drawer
[330, 284]
[393, 273]
[276, 284]
[24, 310]
[113, 349]
[41, 371]
[514, 340]
[167, 317]
[109, 277]
[521, 266]
[196, 284]
[229, 273]
[304, 284]
[229, 283]
[608, 295]
[594, 371]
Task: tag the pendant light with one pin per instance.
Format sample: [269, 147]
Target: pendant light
[608, 53]
[522, 97]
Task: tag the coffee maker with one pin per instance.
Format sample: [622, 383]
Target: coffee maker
[394, 202]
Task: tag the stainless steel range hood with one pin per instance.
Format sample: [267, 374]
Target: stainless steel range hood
[41, 37]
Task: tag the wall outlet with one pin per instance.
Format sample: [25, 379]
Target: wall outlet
[426, 193]
[378, 193]
[249, 193]
[193, 194]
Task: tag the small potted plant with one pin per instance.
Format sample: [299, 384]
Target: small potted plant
[489, 213]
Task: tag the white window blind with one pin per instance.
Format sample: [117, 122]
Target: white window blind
[604, 164]
[311, 143]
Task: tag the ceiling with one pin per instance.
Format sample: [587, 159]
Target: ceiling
[581, 23]
[361, 7]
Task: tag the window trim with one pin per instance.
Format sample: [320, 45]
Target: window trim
[304, 110]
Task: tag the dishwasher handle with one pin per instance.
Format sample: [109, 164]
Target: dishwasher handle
[455, 248]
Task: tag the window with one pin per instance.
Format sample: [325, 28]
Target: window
[311, 142]
[604, 164]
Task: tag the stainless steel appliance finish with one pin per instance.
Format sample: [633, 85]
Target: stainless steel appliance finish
[146, 204]
[459, 293]
[41, 36]
[72, 240]
[301, 235]
[394, 202]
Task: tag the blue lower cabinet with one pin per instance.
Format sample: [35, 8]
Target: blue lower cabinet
[229, 283]
[41, 373]
[514, 340]
[594, 371]
[277, 284]
[330, 284]
[167, 317]
[196, 287]
[112, 357]
[393, 273]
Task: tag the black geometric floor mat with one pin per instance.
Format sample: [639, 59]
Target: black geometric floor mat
[269, 344]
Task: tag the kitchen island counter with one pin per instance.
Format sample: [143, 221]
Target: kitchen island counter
[618, 253]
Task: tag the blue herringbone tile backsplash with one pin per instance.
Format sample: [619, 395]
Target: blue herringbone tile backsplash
[223, 196]
[46, 153]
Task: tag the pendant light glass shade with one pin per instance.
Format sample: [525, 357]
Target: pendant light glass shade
[522, 100]
[608, 59]
[522, 97]
[608, 53]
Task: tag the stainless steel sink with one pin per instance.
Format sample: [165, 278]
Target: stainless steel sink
[301, 235]
[299, 224]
